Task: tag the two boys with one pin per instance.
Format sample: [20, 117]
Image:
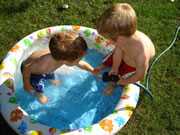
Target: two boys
[129, 60]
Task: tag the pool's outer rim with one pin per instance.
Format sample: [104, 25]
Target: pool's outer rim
[22, 124]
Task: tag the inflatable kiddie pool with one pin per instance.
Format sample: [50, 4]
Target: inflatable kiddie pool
[21, 121]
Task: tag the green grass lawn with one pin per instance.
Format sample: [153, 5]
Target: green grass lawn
[156, 18]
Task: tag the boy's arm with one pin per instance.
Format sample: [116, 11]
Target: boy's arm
[26, 77]
[86, 66]
[141, 68]
[117, 57]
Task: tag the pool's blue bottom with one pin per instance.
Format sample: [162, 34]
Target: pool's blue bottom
[77, 102]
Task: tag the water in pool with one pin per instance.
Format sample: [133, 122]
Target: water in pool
[77, 102]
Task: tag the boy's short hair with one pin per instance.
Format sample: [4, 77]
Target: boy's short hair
[119, 19]
[67, 46]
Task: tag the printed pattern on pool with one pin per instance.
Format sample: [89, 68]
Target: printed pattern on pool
[20, 121]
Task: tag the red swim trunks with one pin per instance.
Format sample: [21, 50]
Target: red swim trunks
[123, 68]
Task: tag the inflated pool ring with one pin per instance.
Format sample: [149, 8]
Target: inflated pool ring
[20, 121]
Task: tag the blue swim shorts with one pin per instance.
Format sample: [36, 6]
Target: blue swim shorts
[38, 80]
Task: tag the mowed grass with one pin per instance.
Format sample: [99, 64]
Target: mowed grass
[157, 18]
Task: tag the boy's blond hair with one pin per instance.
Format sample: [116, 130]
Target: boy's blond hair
[67, 46]
[119, 19]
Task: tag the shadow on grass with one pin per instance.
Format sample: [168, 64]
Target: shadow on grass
[10, 8]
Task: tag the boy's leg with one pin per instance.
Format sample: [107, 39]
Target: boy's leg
[52, 79]
[55, 82]
[109, 89]
[37, 81]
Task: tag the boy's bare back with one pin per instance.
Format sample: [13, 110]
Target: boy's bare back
[41, 62]
[139, 50]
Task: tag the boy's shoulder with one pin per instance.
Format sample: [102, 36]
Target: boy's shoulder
[38, 56]
[143, 38]
[39, 53]
[141, 35]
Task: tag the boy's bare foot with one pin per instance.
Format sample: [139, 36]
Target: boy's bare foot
[55, 82]
[42, 98]
[109, 89]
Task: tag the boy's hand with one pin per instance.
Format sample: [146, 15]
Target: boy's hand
[96, 71]
[113, 72]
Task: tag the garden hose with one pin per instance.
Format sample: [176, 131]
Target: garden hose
[147, 87]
